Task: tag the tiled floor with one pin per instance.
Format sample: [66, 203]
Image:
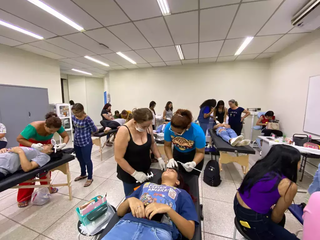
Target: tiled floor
[58, 220]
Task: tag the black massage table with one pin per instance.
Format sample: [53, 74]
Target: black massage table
[192, 181]
[62, 164]
[97, 140]
[241, 154]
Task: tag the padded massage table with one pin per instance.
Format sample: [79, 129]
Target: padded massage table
[11, 181]
[241, 153]
[96, 139]
[192, 181]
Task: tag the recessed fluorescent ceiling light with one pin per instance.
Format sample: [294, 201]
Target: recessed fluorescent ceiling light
[56, 14]
[76, 70]
[8, 25]
[164, 7]
[178, 47]
[126, 58]
[243, 46]
[97, 61]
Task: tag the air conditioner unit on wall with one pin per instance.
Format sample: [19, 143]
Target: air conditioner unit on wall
[308, 17]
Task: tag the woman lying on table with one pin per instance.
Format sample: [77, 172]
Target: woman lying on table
[229, 135]
[27, 159]
[155, 212]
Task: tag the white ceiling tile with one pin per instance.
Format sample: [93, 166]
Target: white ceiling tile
[39, 51]
[93, 64]
[88, 43]
[118, 67]
[190, 51]
[226, 59]
[156, 31]
[102, 59]
[104, 36]
[285, 41]
[52, 48]
[75, 63]
[265, 55]
[150, 55]
[116, 59]
[107, 12]
[191, 61]
[134, 56]
[98, 70]
[280, 22]
[251, 17]
[8, 33]
[158, 64]
[9, 42]
[143, 65]
[183, 27]
[140, 9]
[215, 3]
[67, 45]
[259, 44]
[182, 5]
[210, 49]
[215, 22]
[204, 60]
[168, 53]
[247, 57]
[173, 63]
[130, 66]
[230, 47]
[129, 34]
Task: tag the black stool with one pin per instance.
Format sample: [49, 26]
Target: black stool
[240, 229]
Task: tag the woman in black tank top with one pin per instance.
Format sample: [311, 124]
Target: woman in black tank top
[220, 112]
[132, 150]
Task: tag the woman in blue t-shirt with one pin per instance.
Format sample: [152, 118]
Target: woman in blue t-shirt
[189, 142]
[234, 114]
[206, 108]
[156, 212]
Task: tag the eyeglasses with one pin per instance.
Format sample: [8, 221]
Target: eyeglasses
[178, 134]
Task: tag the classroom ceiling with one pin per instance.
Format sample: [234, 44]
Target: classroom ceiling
[207, 30]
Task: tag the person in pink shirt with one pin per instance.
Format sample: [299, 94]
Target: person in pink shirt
[311, 224]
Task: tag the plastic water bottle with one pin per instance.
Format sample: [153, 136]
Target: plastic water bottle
[284, 138]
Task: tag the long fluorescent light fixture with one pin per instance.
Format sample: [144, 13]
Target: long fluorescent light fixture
[243, 46]
[97, 61]
[56, 14]
[126, 57]
[164, 7]
[8, 25]
[76, 70]
[179, 50]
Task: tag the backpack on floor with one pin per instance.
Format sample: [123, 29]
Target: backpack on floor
[211, 174]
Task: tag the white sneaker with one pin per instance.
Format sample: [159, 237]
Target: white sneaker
[244, 142]
[236, 140]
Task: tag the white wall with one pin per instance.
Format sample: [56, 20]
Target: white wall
[18, 67]
[188, 86]
[89, 92]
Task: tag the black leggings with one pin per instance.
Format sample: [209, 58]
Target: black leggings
[2, 176]
[110, 124]
[237, 128]
[3, 144]
[186, 157]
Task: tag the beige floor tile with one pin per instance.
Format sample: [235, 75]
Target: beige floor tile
[292, 224]
[10, 230]
[114, 177]
[66, 227]
[208, 236]
[224, 192]
[105, 170]
[218, 218]
[113, 189]
[8, 200]
[39, 218]
[41, 237]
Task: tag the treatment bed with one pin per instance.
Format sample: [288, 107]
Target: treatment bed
[11, 181]
[192, 182]
[240, 154]
[96, 139]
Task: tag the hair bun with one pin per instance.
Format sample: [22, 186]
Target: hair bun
[50, 114]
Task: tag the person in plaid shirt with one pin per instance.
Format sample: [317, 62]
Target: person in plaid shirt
[84, 127]
[3, 140]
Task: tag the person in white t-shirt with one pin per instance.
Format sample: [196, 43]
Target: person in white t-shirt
[3, 140]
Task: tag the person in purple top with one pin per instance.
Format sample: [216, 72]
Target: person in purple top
[84, 127]
[266, 192]
[206, 108]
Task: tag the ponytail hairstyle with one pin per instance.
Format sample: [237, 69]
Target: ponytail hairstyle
[52, 120]
[181, 119]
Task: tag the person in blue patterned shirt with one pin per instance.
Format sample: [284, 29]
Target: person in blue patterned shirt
[84, 127]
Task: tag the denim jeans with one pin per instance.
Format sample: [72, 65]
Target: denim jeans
[129, 187]
[227, 134]
[315, 185]
[84, 157]
[129, 230]
[261, 225]
[204, 126]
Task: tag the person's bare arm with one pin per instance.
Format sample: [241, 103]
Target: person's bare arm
[168, 149]
[259, 123]
[199, 156]
[26, 165]
[214, 114]
[2, 135]
[23, 141]
[154, 147]
[225, 115]
[133, 205]
[65, 137]
[247, 113]
[124, 208]
[217, 126]
[287, 193]
[120, 147]
[164, 115]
